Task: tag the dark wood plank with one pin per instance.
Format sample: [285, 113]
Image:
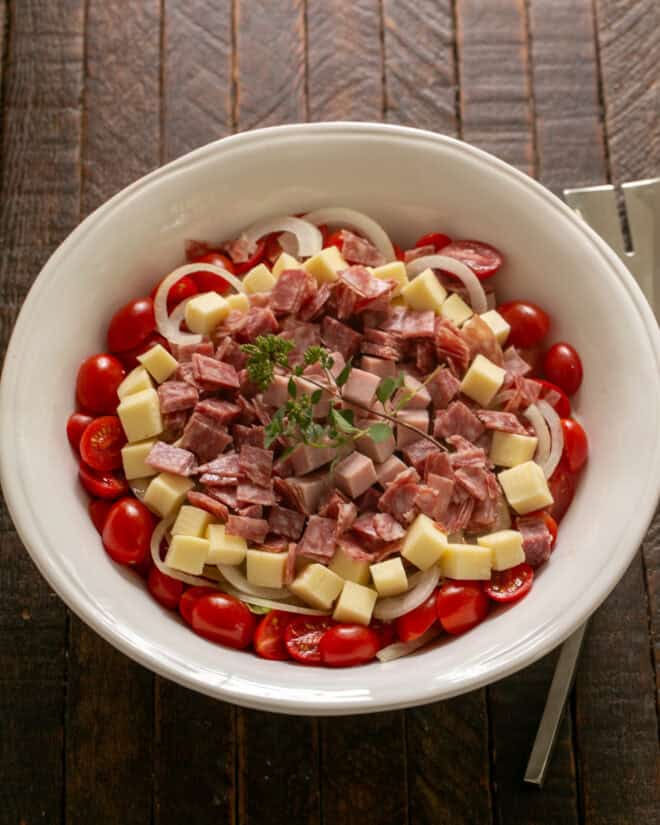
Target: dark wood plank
[651, 552]
[420, 75]
[345, 60]
[110, 699]
[197, 83]
[270, 62]
[39, 205]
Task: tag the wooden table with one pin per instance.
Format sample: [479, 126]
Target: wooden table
[95, 94]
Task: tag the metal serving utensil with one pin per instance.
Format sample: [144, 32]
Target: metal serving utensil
[597, 205]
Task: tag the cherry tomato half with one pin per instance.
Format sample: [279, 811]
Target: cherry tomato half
[561, 405]
[75, 427]
[223, 619]
[184, 288]
[127, 531]
[188, 599]
[102, 485]
[166, 590]
[347, 645]
[131, 324]
[98, 512]
[435, 239]
[562, 366]
[529, 323]
[129, 357]
[302, 637]
[461, 605]
[97, 382]
[256, 258]
[385, 632]
[101, 443]
[482, 258]
[335, 239]
[412, 625]
[399, 254]
[269, 635]
[510, 585]
[206, 281]
[576, 445]
[562, 485]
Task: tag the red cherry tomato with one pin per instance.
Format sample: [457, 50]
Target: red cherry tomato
[273, 248]
[256, 258]
[184, 288]
[102, 485]
[562, 405]
[131, 324]
[461, 605]
[166, 590]
[335, 239]
[482, 258]
[127, 531]
[562, 366]
[347, 645]
[143, 568]
[98, 512]
[398, 252]
[223, 619]
[129, 357]
[97, 382]
[269, 635]
[529, 323]
[510, 585]
[385, 632]
[562, 485]
[302, 637]
[101, 443]
[206, 281]
[412, 625]
[75, 427]
[435, 239]
[188, 599]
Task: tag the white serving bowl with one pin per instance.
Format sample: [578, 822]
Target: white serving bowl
[413, 182]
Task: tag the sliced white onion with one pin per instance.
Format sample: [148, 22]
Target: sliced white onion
[274, 605]
[395, 606]
[168, 327]
[308, 237]
[156, 537]
[533, 415]
[476, 292]
[240, 583]
[399, 649]
[556, 437]
[358, 222]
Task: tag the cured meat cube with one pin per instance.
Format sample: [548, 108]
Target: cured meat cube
[389, 469]
[184, 352]
[286, 522]
[214, 374]
[415, 418]
[174, 396]
[168, 459]
[291, 290]
[457, 419]
[378, 366]
[319, 539]
[358, 250]
[505, 422]
[211, 505]
[256, 464]
[536, 540]
[377, 451]
[360, 388]
[251, 529]
[224, 412]
[355, 474]
[304, 458]
[417, 453]
[340, 337]
[204, 437]
[418, 324]
[413, 395]
[248, 493]
[443, 388]
[399, 497]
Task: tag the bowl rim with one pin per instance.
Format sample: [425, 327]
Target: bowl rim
[261, 696]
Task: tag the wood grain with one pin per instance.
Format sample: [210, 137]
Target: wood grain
[110, 698]
[345, 60]
[270, 62]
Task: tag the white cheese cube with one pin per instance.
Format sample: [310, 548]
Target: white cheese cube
[325, 265]
[506, 548]
[482, 380]
[133, 458]
[139, 414]
[266, 569]
[525, 487]
[159, 362]
[350, 569]
[455, 309]
[356, 604]
[136, 380]
[317, 586]
[166, 492]
[424, 543]
[225, 549]
[188, 554]
[394, 271]
[259, 279]
[389, 577]
[425, 292]
[238, 302]
[191, 521]
[498, 326]
[466, 561]
[285, 261]
[511, 449]
[204, 312]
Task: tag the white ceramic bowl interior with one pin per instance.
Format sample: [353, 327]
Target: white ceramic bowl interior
[413, 182]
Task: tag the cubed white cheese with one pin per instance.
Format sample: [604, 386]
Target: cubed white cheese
[499, 327]
[482, 380]
[266, 569]
[394, 271]
[317, 586]
[285, 261]
[389, 577]
[424, 543]
[525, 487]
[506, 548]
[139, 414]
[259, 279]
[238, 302]
[456, 310]
[191, 521]
[136, 381]
[225, 549]
[166, 492]
[159, 362]
[466, 561]
[353, 570]
[133, 458]
[356, 604]
[511, 449]
[188, 554]
[204, 312]
[425, 292]
[325, 265]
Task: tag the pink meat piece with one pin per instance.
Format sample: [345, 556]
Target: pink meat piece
[449, 344]
[282, 468]
[364, 527]
[168, 459]
[537, 540]
[256, 464]
[503, 421]
[485, 513]
[358, 250]
[224, 465]
[361, 387]
[368, 292]
[248, 493]
[204, 437]
[224, 412]
[457, 419]
[388, 528]
[275, 544]
[381, 344]
[226, 495]
[232, 324]
[313, 307]
[251, 529]
[514, 363]
[248, 435]
[217, 480]
[418, 252]
[354, 474]
[434, 502]
[340, 337]
[290, 568]
[458, 515]
[438, 463]
[418, 324]
[250, 510]
[395, 320]
[481, 340]
[184, 352]
[473, 481]
[174, 396]
[517, 393]
[211, 505]
[378, 366]
[467, 454]
[214, 374]
[231, 352]
[262, 411]
[425, 357]
[303, 336]
[368, 500]
[417, 452]
[338, 507]
[257, 321]
[319, 539]
[185, 374]
[443, 388]
[285, 522]
[352, 545]
[444, 486]
[173, 424]
[240, 250]
[399, 496]
[291, 290]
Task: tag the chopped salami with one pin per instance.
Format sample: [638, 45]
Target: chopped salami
[360, 251]
[318, 541]
[211, 505]
[173, 424]
[275, 544]
[459, 514]
[224, 412]
[285, 522]
[174, 396]
[214, 374]
[450, 344]
[399, 496]
[514, 363]
[503, 421]
[368, 500]
[185, 374]
[467, 454]
[439, 463]
[443, 388]
[473, 481]
[313, 307]
[457, 419]
[365, 528]
[204, 437]
[340, 337]
[248, 493]
[184, 352]
[231, 352]
[381, 344]
[168, 459]
[248, 435]
[418, 324]
[218, 480]
[291, 290]
[367, 291]
[251, 529]
[352, 546]
[340, 508]
[225, 465]
[481, 340]
[388, 528]
[250, 510]
[537, 539]
[303, 336]
[291, 493]
[425, 358]
[256, 464]
[227, 495]
[518, 393]
[417, 452]
[433, 502]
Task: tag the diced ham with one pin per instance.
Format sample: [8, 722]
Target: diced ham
[354, 474]
[168, 459]
[304, 493]
[457, 419]
[503, 421]
[450, 344]
[340, 337]
[413, 395]
[248, 435]
[419, 419]
[399, 496]
[303, 336]
[481, 340]
[251, 529]
[417, 452]
[285, 522]
[360, 251]
[360, 388]
[443, 388]
[318, 541]
[204, 437]
[256, 464]
[514, 363]
[313, 307]
[184, 352]
[256, 321]
[224, 412]
[248, 493]
[214, 374]
[174, 396]
[537, 540]
[393, 324]
[389, 469]
[292, 288]
[378, 366]
[304, 458]
[211, 505]
[418, 324]
[377, 451]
